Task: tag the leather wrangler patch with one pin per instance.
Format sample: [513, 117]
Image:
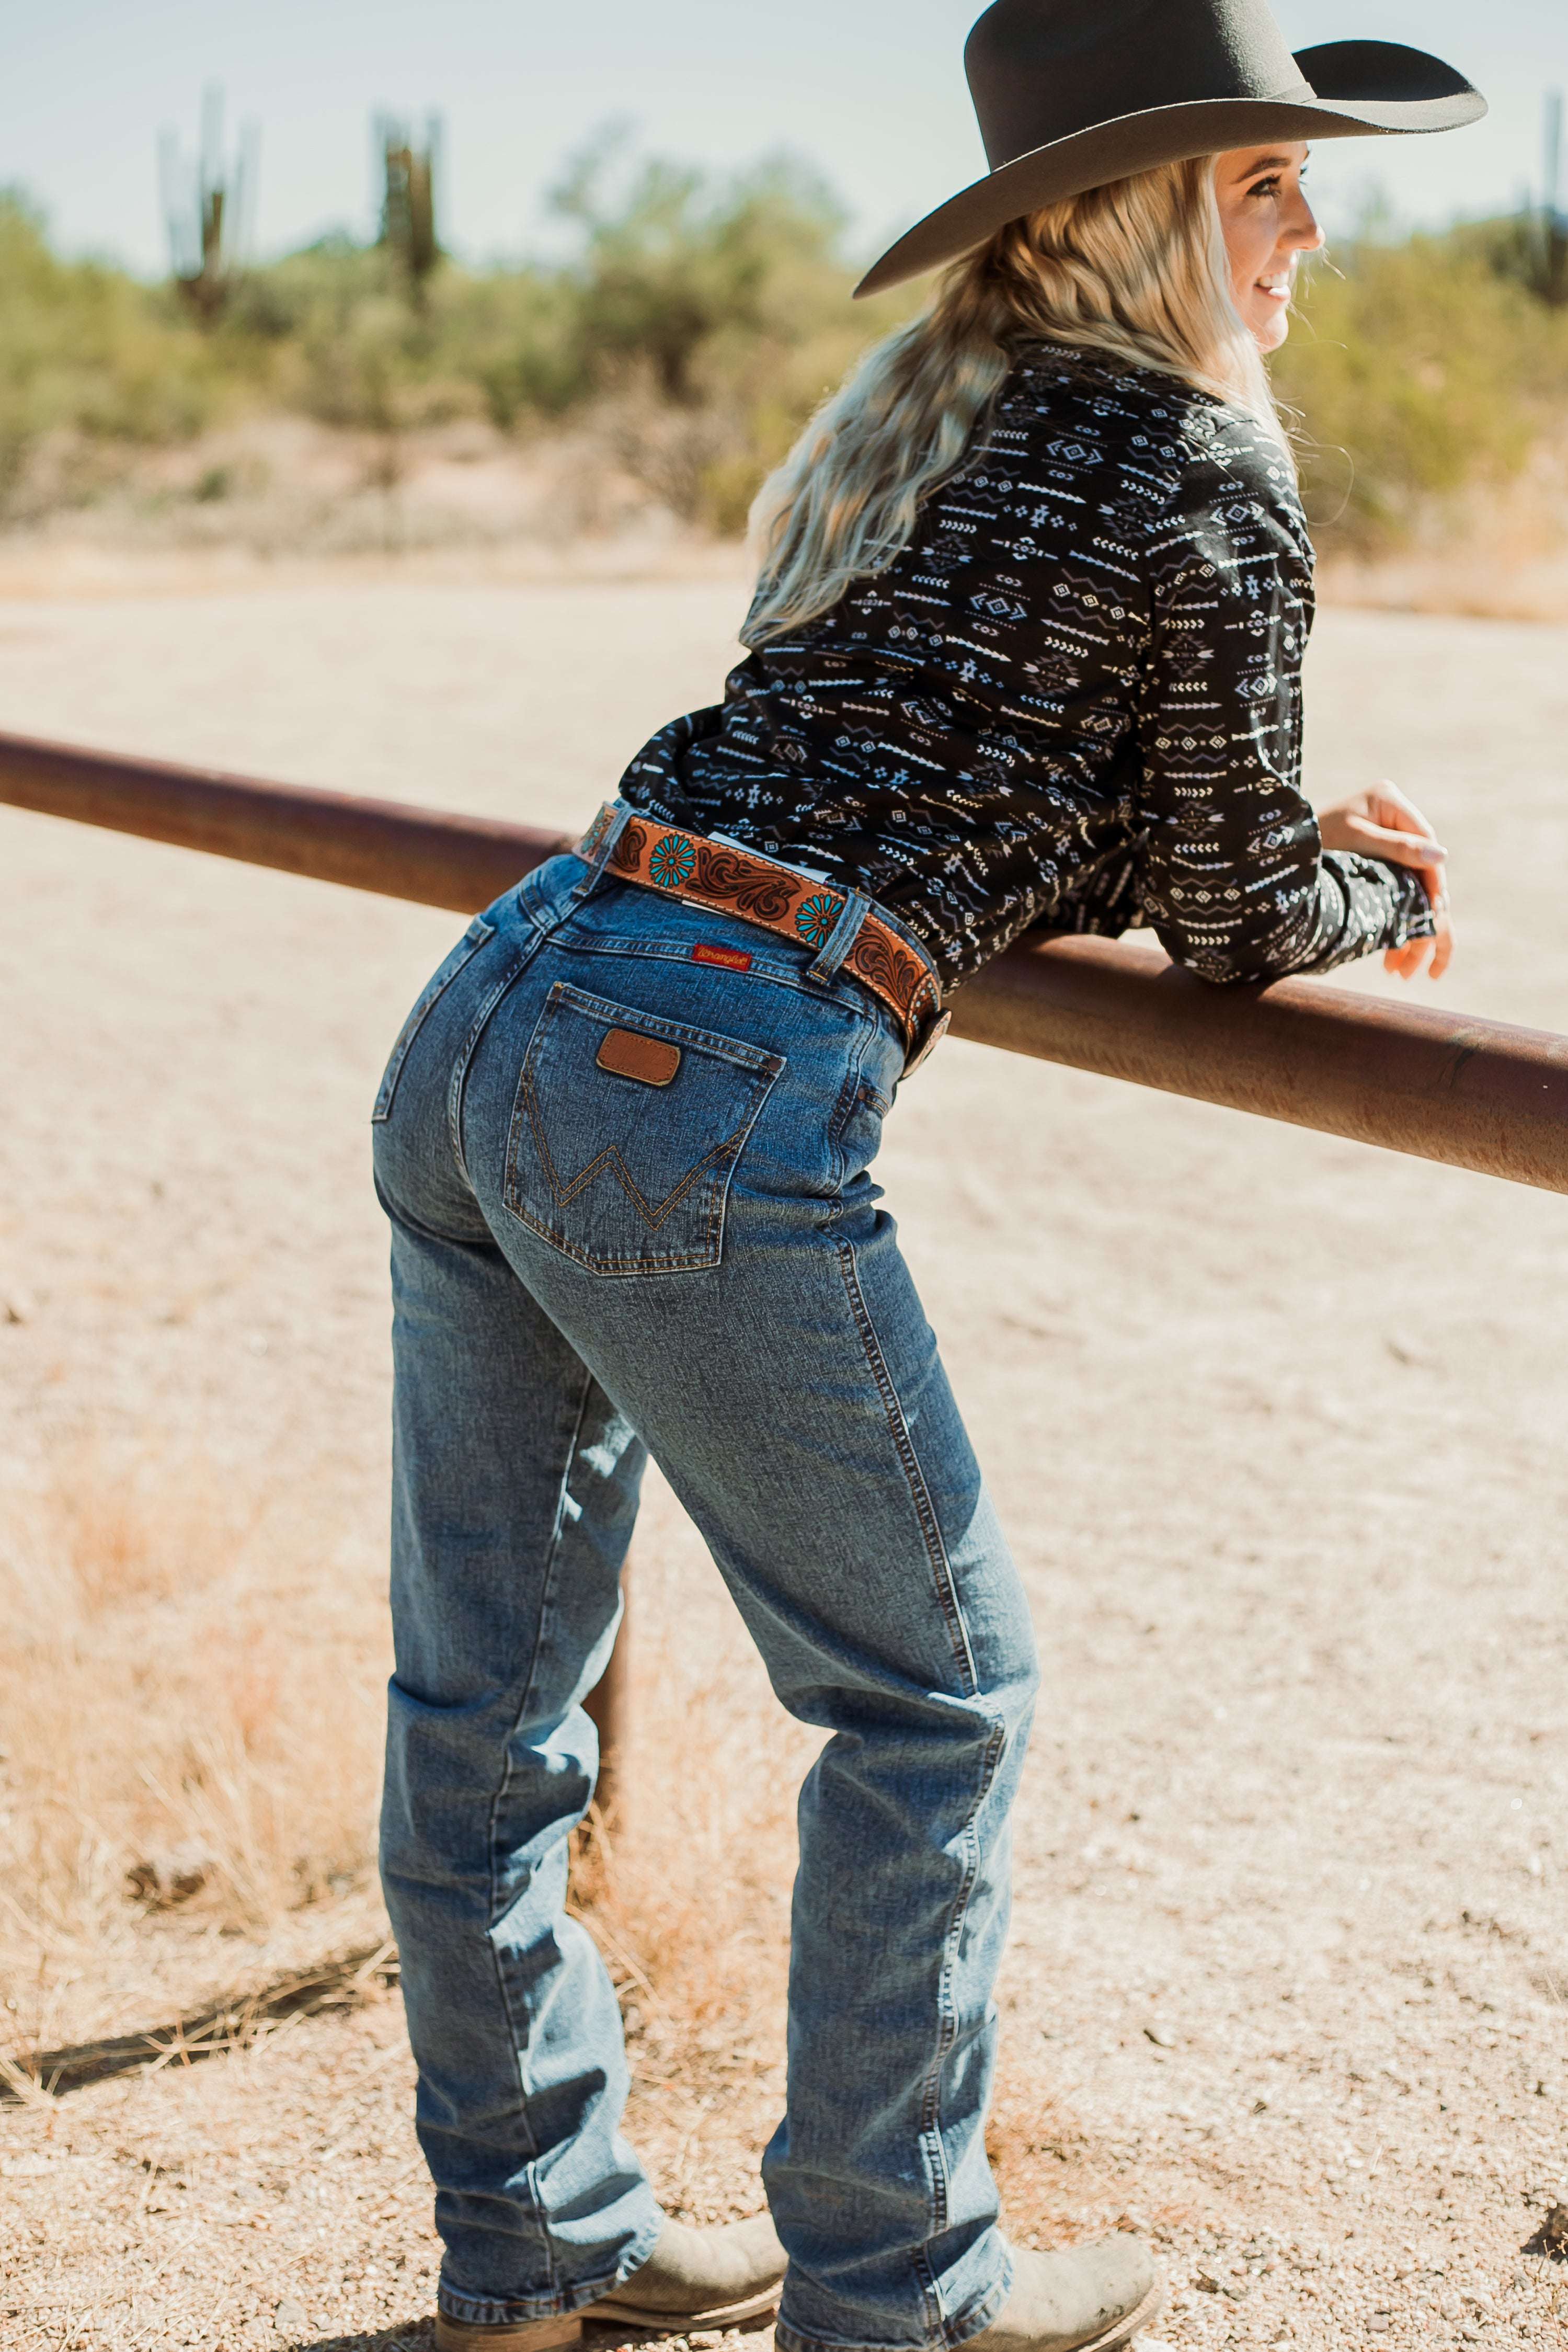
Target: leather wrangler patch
[732, 959]
[627, 1053]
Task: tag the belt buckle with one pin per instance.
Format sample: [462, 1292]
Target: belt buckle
[929, 1040]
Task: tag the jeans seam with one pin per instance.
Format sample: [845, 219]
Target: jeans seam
[935, 1550]
[545, 927]
[756, 1060]
[424, 1005]
[931, 2104]
[852, 997]
[457, 1085]
[849, 1095]
[985, 2309]
[520, 2039]
[623, 1268]
[512, 2311]
[948, 1599]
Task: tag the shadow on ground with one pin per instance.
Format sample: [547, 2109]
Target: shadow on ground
[222, 2026]
[409, 2335]
[419, 2336]
[1552, 2238]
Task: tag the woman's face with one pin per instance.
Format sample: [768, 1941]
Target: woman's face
[1268, 224]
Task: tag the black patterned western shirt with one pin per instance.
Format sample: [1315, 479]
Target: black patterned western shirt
[1073, 702]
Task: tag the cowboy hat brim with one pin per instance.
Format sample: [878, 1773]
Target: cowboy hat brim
[1339, 98]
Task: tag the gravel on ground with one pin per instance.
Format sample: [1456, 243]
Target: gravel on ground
[1274, 1421]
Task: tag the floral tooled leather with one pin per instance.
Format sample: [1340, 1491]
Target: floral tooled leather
[686, 865]
[626, 856]
[744, 882]
[881, 958]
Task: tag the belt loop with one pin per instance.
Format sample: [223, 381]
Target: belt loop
[598, 842]
[842, 938]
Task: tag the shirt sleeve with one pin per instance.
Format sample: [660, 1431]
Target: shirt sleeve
[1231, 875]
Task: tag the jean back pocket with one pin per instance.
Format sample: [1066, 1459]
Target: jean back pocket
[625, 1134]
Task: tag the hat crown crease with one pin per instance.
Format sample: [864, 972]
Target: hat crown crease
[1040, 70]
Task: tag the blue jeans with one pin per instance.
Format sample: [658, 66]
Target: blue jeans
[623, 1143]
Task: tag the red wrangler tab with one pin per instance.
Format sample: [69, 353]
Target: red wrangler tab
[732, 959]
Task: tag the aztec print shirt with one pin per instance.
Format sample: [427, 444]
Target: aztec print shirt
[1072, 701]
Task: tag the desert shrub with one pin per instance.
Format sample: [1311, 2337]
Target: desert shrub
[709, 315]
[510, 336]
[696, 279]
[86, 353]
[694, 320]
[1416, 371]
[329, 331]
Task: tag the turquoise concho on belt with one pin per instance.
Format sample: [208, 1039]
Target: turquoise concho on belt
[671, 861]
[815, 917]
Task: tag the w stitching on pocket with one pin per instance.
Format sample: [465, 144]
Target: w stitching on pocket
[694, 1246]
[611, 1158]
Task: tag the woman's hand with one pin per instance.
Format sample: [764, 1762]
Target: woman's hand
[1381, 822]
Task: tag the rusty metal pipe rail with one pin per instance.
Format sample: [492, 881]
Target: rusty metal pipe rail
[1475, 1093]
[1443, 1086]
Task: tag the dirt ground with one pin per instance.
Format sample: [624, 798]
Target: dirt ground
[1274, 1421]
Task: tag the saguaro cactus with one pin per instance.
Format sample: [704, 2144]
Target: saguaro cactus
[408, 203]
[1554, 285]
[206, 207]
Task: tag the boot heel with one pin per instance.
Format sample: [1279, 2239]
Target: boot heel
[511, 2336]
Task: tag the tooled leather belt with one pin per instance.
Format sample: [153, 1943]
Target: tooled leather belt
[778, 899]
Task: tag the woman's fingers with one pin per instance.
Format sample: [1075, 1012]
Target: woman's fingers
[1436, 889]
[1389, 805]
[1399, 848]
[1405, 962]
[1384, 823]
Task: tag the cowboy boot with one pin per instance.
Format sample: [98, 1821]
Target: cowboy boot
[1091, 2298]
[693, 2279]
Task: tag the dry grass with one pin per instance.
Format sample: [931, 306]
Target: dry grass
[190, 1787]
[276, 487]
[192, 1723]
[277, 497]
[191, 1699]
[1296, 1796]
[1494, 553]
[183, 1771]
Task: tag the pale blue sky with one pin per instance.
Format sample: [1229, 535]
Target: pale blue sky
[869, 90]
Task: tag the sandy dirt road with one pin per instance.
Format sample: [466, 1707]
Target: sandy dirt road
[1274, 1422]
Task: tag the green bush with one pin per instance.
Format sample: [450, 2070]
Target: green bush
[698, 320]
[330, 331]
[722, 303]
[86, 353]
[1415, 371]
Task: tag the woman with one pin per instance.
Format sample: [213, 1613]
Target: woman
[1025, 653]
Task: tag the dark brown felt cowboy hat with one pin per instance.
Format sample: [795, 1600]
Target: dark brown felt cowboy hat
[1073, 93]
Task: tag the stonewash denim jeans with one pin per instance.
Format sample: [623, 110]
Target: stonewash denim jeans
[623, 1143]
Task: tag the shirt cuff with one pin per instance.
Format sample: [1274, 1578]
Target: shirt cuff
[1407, 911]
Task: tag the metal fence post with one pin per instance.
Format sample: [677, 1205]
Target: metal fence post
[609, 1704]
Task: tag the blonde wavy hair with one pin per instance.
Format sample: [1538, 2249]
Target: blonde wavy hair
[1136, 269]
